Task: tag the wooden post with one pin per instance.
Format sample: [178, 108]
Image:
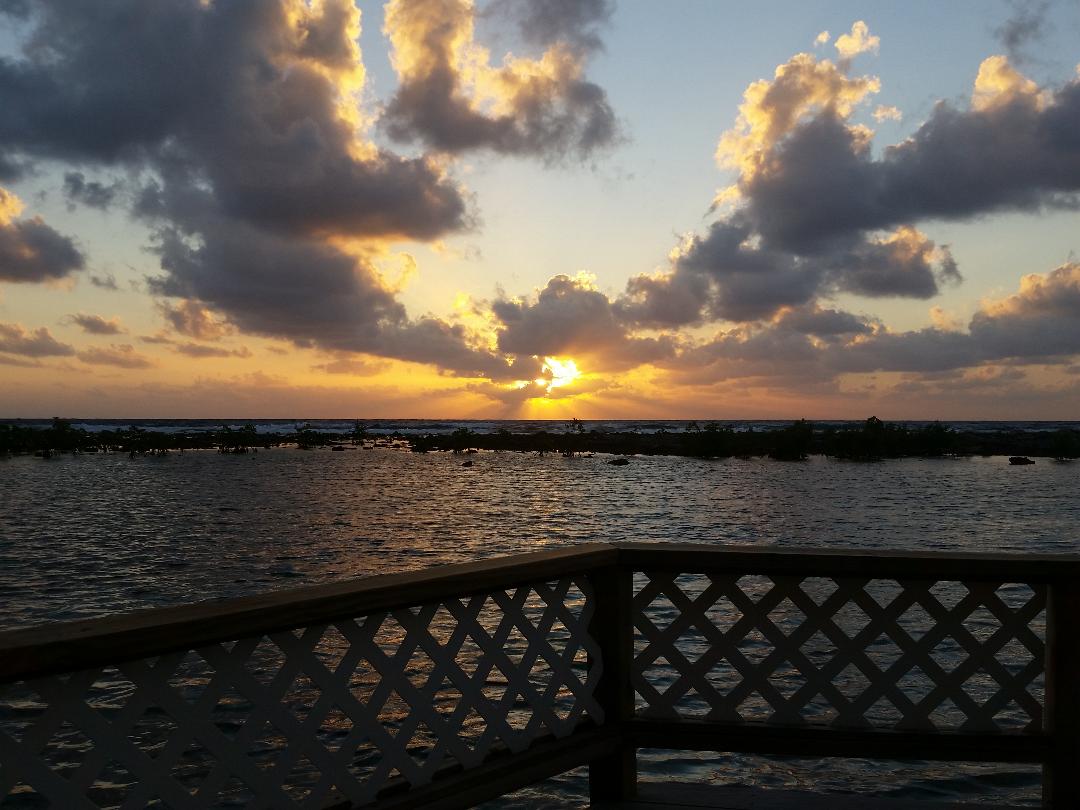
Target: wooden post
[614, 776]
[1061, 773]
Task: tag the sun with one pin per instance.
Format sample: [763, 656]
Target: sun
[563, 372]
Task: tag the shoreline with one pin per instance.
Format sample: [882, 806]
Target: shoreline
[867, 441]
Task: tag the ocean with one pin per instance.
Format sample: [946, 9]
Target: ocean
[91, 535]
[412, 427]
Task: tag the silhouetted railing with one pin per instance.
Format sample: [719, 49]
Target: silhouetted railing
[466, 682]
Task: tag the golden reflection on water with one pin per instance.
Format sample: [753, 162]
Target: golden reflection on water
[104, 533]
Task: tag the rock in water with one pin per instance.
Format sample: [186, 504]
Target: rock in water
[1020, 460]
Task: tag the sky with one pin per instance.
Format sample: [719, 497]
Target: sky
[539, 209]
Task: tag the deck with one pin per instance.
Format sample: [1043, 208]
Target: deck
[451, 687]
[678, 796]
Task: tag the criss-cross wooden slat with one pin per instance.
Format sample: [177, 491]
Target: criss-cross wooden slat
[295, 696]
[459, 684]
[670, 692]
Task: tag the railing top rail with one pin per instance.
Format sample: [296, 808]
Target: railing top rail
[851, 562]
[66, 646]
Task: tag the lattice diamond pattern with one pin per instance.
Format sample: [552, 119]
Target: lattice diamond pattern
[282, 720]
[913, 655]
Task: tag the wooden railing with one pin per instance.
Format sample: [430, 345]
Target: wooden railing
[448, 687]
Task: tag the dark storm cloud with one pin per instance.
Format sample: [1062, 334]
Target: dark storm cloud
[16, 339]
[106, 281]
[302, 289]
[30, 250]
[1025, 26]
[16, 8]
[96, 325]
[721, 275]
[241, 119]
[1015, 148]
[1041, 320]
[729, 274]
[546, 109]
[823, 323]
[1040, 324]
[192, 319]
[741, 353]
[923, 350]
[433, 340]
[575, 22]
[568, 317]
[903, 265]
[305, 290]
[11, 169]
[90, 193]
[234, 96]
[818, 214]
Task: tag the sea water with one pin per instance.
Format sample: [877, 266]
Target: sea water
[97, 534]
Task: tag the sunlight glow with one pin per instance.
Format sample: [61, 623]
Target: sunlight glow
[563, 372]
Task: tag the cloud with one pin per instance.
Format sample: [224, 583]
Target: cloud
[1025, 26]
[202, 350]
[859, 40]
[1041, 320]
[510, 395]
[157, 340]
[945, 320]
[264, 192]
[729, 274]
[822, 323]
[807, 175]
[90, 193]
[97, 325]
[904, 263]
[192, 319]
[771, 110]
[16, 339]
[746, 352]
[105, 281]
[310, 292]
[452, 99]
[256, 102]
[887, 113]
[255, 394]
[570, 317]
[121, 355]
[8, 360]
[1038, 325]
[30, 250]
[351, 366]
[260, 185]
[575, 22]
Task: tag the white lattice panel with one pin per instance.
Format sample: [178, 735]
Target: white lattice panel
[283, 720]
[855, 653]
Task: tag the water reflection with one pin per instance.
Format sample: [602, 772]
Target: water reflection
[99, 534]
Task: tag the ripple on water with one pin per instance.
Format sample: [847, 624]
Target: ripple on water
[98, 534]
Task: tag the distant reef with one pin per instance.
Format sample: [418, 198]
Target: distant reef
[867, 441]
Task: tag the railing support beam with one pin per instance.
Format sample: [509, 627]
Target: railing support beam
[1061, 773]
[614, 776]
